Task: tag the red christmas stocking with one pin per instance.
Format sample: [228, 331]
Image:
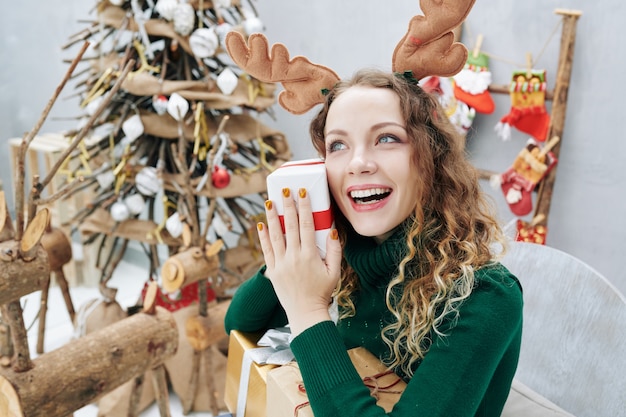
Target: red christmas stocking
[472, 82]
[530, 166]
[528, 110]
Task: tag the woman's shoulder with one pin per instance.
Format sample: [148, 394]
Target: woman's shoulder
[496, 297]
[496, 276]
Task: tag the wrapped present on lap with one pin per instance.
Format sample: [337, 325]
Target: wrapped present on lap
[311, 175]
[250, 357]
[286, 394]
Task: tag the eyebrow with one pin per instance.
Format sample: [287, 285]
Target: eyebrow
[375, 127]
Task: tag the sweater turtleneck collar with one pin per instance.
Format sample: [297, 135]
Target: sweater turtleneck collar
[375, 263]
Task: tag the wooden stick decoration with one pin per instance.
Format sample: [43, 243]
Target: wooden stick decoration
[529, 65]
[548, 146]
[479, 42]
[159, 380]
[559, 105]
[29, 137]
[59, 250]
[80, 136]
[28, 255]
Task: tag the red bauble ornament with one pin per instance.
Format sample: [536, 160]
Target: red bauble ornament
[220, 177]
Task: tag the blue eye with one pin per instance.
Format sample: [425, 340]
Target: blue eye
[388, 139]
[335, 146]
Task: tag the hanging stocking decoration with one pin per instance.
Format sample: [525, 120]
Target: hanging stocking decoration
[460, 114]
[528, 110]
[472, 82]
[530, 166]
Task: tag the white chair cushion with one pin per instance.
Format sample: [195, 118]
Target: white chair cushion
[524, 402]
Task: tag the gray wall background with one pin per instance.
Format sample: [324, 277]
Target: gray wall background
[587, 217]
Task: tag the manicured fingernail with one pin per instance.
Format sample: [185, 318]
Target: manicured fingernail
[334, 234]
[286, 192]
[259, 226]
[268, 204]
[302, 192]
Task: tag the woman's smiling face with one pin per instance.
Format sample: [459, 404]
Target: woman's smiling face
[369, 160]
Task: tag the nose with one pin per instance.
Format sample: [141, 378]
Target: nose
[361, 162]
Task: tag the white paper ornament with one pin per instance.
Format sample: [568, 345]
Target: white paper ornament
[184, 19]
[224, 4]
[147, 181]
[119, 211]
[135, 204]
[227, 81]
[93, 105]
[222, 30]
[166, 8]
[204, 42]
[220, 227]
[105, 179]
[159, 103]
[174, 226]
[132, 128]
[252, 25]
[177, 106]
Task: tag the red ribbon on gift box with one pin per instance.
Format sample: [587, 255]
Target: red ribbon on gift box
[321, 219]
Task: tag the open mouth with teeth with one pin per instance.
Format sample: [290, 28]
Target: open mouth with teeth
[370, 196]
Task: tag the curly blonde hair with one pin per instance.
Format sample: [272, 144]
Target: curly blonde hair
[449, 236]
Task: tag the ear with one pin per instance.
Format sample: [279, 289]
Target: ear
[6, 224]
[213, 249]
[34, 231]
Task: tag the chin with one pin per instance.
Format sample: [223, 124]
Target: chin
[373, 230]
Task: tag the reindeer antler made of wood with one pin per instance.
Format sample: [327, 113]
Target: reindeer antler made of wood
[428, 48]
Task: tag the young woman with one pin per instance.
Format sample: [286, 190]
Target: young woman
[411, 263]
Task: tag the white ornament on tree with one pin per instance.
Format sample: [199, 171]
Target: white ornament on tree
[184, 19]
[147, 181]
[133, 127]
[177, 106]
[166, 8]
[204, 42]
[119, 211]
[227, 81]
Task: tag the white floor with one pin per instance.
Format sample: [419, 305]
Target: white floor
[129, 280]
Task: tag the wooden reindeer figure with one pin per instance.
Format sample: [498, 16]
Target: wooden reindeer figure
[59, 382]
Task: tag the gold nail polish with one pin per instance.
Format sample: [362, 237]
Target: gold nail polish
[268, 204]
[302, 192]
[334, 234]
[286, 192]
[259, 226]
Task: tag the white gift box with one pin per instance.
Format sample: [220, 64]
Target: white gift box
[311, 175]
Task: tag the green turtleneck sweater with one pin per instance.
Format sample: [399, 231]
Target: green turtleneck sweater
[464, 374]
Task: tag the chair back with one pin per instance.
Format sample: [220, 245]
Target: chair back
[574, 336]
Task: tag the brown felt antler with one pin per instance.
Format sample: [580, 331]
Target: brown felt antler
[302, 79]
[428, 48]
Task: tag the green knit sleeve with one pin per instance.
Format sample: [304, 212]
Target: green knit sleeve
[466, 373]
[254, 306]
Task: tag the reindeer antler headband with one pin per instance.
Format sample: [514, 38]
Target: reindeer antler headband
[428, 48]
